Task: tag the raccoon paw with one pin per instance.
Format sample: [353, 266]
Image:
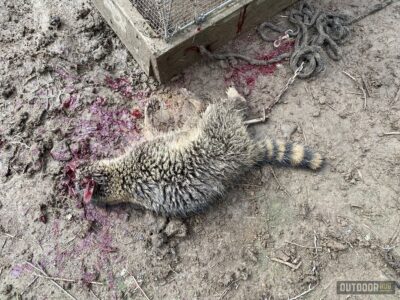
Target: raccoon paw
[152, 105]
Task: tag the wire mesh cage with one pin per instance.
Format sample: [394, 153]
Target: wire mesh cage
[164, 35]
[168, 17]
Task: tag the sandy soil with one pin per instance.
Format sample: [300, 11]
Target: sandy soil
[70, 92]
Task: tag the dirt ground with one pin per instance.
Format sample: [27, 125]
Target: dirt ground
[70, 92]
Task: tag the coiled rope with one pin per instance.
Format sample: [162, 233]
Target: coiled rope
[315, 32]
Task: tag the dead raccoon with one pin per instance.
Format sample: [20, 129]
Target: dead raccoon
[184, 172]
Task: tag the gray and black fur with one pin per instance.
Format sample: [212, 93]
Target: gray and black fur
[184, 172]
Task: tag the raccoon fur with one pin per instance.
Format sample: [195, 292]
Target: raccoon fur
[184, 172]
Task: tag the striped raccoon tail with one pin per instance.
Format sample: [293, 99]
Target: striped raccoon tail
[291, 154]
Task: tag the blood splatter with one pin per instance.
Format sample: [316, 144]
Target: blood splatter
[137, 113]
[88, 191]
[245, 75]
[125, 88]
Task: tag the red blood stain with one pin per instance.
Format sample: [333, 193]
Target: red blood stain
[68, 184]
[88, 192]
[124, 87]
[137, 113]
[245, 75]
[43, 219]
[71, 102]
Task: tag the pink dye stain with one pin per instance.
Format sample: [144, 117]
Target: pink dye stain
[245, 75]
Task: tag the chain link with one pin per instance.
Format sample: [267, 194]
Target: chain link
[279, 41]
[268, 110]
[286, 87]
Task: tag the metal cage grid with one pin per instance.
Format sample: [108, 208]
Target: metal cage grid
[168, 17]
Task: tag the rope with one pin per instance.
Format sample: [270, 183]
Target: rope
[316, 32]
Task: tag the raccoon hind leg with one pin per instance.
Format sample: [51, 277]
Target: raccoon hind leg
[234, 97]
[149, 130]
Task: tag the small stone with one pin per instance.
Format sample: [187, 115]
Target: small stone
[288, 130]
[8, 91]
[158, 240]
[316, 114]
[99, 53]
[143, 78]
[55, 22]
[343, 114]
[336, 246]
[83, 13]
[176, 228]
[60, 152]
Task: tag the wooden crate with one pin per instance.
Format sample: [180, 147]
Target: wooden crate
[162, 59]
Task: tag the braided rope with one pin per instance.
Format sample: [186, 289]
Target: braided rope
[316, 32]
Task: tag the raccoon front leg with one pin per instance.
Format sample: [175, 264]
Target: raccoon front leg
[239, 102]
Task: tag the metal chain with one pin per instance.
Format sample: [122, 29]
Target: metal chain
[282, 38]
[278, 98]
[286, 87]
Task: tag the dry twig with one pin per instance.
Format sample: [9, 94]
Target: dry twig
[141, 290]
[305, 292]
[29, 285]
[315, 242]
[359, 86]
[290, 265]
[93, 294]
[40, 270]
[227, 289]
[396, 97]
[307, 247]
[279, 184]
[8, 235]
[392, 133]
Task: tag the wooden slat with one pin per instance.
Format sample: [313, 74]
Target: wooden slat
[216, 32]
[129, 25]
[165, 60]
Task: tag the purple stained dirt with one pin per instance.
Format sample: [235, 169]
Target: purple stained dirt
[17, 271]
[96, 130]
[100, 130]
[124, 87]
